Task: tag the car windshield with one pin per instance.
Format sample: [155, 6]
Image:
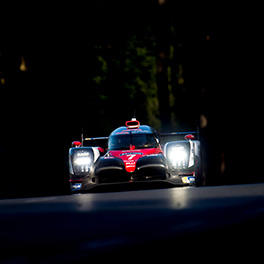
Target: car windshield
[140, 141]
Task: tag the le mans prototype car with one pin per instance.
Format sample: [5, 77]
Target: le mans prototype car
[135, 153]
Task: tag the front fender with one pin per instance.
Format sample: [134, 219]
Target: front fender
[108, 163]
[152, 161]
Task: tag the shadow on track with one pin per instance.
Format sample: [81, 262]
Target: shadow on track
[132, 186]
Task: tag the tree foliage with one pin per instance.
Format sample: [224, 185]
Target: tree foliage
[124, 80]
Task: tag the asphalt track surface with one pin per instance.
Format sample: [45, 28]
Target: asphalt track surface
[219, 223]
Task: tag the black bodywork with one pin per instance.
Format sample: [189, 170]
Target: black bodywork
[148, 168]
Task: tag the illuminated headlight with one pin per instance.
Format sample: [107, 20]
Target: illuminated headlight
[178, 156]
[82, 159]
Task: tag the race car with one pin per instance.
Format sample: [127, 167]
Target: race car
[134, 153]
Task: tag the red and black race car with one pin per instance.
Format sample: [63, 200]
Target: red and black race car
[135, 153]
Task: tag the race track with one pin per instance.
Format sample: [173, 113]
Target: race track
[131, 224]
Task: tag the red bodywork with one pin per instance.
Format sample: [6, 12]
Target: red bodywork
[130, 157]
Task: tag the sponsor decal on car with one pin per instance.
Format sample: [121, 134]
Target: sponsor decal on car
[188, 179]
[131, 153]
[76, 186]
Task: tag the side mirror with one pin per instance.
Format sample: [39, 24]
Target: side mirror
[101, 150]
[189, 137]
[76, 144]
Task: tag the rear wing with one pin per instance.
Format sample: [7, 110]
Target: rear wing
[91, 142]
[177, 136]
[96, 138]
[164, 138]
[95, 142]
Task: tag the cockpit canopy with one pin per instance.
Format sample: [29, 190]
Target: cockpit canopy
[124, 138]
[137, 141]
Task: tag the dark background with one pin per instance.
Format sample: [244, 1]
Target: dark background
[64, 68]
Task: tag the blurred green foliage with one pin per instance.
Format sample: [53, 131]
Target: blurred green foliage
[125, 78]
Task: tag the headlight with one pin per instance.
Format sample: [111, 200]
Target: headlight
[178, 156]
[82, 161]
